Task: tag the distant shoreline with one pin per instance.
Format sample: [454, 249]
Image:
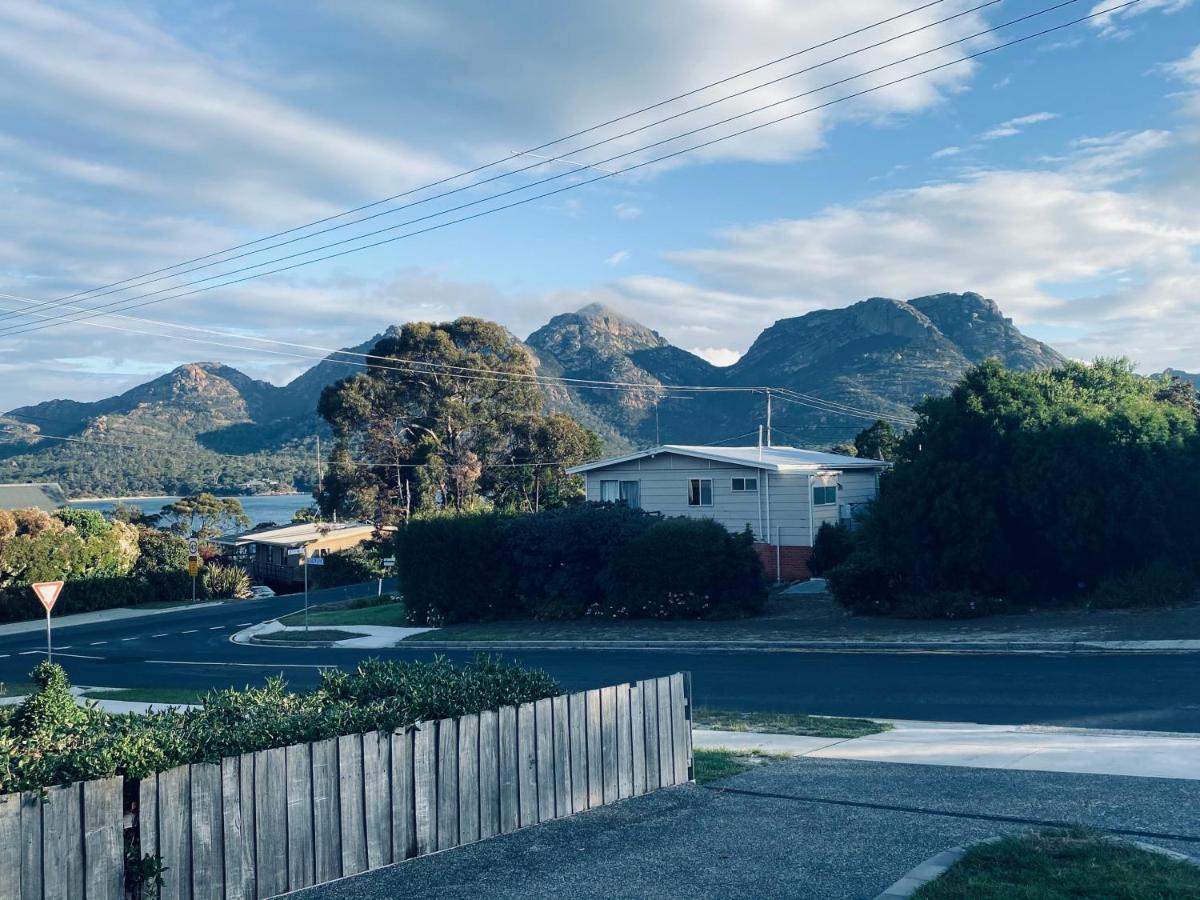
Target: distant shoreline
[171, 496]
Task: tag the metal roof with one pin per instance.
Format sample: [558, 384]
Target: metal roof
[298, 535]
[771, 459]
[45, 495]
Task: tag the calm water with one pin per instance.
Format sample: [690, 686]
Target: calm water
[260, 507]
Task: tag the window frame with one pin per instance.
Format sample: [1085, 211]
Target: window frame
[699, 504]
[825, 489]
[745, 488]
[621, 491]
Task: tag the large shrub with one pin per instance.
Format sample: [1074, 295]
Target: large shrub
[352, 566]
[1029, 487]
[222, 582]
[561, 557]
[456, 569]
[833, 544]
[51, 740]
[685, 569]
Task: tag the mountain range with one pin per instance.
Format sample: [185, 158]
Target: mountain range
[210, 426]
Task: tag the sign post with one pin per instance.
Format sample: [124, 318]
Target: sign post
[193, 563]
[47, 593]
[388, 563]
[299, 551]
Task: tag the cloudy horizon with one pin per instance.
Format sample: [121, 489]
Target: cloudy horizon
[140, 135]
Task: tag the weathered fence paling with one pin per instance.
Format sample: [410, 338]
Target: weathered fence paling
[277, 820]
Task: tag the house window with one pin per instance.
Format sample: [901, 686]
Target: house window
[700, 492]
[627, 492]
[745, 485]
[824, 494]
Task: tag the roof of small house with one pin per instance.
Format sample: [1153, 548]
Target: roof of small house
[771, 459]
[44, 495]
[298, 535]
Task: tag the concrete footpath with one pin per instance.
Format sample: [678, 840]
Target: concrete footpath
[101, 615]
[803, 828]
[1024, 747]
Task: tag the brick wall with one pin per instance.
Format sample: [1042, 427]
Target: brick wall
[792, 561]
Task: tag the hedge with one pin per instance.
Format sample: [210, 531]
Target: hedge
[50, 739]
[587, 559]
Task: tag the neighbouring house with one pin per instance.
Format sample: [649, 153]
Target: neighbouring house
[46, 496]
[782, 494]
[269, 554]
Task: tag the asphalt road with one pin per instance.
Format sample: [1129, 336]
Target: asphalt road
[1144, 692]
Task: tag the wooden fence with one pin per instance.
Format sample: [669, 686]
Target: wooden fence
[278, 820]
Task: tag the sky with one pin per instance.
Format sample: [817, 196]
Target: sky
[1059, 176]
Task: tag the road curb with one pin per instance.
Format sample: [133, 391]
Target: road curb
[835, 646]
[936, 866]
[99, 617]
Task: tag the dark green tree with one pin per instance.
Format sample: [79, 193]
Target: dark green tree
[428, 426]
[879, 441]
[204, 515]
[1034, 485]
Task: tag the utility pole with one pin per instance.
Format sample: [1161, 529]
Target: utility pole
[318, 465]
[768, 418]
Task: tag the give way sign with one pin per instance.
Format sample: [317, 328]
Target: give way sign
[47, 592]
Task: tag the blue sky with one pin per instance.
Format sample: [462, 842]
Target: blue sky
[1058, 177]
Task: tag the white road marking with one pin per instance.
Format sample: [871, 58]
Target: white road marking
[134, 638]
[192, 662]
[164, 634]
[97, 643]
[190, 631]
[28, 652]
[4, 655]
[244, 624]
[77, 655]
[216, 628]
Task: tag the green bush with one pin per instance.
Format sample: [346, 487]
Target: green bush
[562, 556]
[685, 569]
[225, 582]
[50, 740]
[863, 584]
[456, 569]
[352, 566]
[1158, 584]
[834, 543]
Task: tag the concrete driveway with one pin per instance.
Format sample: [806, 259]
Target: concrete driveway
[809, 828]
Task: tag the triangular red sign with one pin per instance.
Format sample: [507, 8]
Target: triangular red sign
[47, 592]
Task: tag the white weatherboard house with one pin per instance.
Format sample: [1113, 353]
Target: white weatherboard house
[783, 494]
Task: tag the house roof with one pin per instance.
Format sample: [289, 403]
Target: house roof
[45, 495]
[298, 535]
[771, 459]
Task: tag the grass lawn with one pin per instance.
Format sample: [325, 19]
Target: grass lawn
[165, 695]
[386, 614]
[713, 765]
[1058, 865]
[313, 634]
[17, 688]
[786, 723]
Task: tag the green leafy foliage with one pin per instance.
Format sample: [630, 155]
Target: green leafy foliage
[833, 544]
[1027, 487]
[352, 566]
[878, 441]
[223, 582]
[685, 569]
[1159, 584]
[591, 559]
[204, 515]
[51, 740]
[437, 441]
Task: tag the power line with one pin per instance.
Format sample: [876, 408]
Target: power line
[657, 105]
[129, 304]
[100, 292]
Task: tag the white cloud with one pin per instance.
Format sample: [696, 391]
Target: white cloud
[1062, 249]
[617, 258]
[718, 356]
[1015, 126]
[1115, 23]
[946, 152]
[627, 211]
